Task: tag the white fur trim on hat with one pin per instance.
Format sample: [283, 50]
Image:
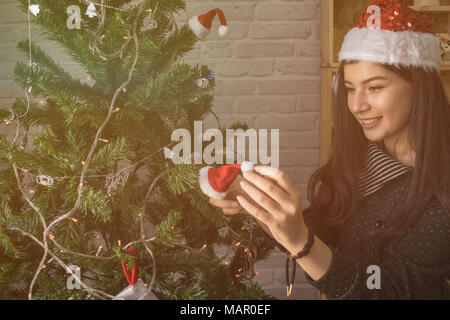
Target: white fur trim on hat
[199, 30]
[207, 188]
[401, 48]
[247, 166]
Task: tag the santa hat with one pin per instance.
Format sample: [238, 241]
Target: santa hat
[215, 182]
[201, 24]
[390, 32]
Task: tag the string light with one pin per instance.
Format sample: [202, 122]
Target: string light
[99, 249]
[75, 220]
[52, 237]
[104, 140]
[119, 243]
[117, 109]
[204, 246]
[83, 163]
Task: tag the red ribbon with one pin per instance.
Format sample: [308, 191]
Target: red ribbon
[131, 276]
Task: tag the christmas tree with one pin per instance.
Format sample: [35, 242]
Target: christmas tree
[96, 196]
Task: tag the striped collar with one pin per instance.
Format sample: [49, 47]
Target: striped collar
[378, 170]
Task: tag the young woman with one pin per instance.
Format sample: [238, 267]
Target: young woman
[378, 226]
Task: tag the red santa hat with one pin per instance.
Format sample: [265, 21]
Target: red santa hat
[201, 25]
[390, 32]
[215, 182]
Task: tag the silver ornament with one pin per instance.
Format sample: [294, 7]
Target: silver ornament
[149, 22]
[91, 11]
[203, 83]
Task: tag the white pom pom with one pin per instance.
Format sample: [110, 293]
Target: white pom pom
[223, 30]
[247, 166]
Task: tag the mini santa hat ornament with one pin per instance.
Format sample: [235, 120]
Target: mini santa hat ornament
[390, 32]
[215, 182]
[201, 25]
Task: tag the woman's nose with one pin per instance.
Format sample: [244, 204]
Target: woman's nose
[359, 101]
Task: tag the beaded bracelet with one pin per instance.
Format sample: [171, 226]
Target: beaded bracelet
[291, 257]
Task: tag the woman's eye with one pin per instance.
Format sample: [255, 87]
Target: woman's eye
[351, 90]
[375, 88]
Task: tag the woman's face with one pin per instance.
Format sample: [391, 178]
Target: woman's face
[374, 92]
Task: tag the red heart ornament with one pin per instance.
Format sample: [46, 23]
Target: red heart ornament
[131, 276]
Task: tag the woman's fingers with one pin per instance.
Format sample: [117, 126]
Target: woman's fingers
[280, 177]
[232, 211]
[260, 197]
[260, 214]
[224, 204]
[228, 207]
[267, 186]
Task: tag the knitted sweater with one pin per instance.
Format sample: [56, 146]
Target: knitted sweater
[416, 266]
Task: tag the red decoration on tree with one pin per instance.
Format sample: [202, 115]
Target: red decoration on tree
[131, 276]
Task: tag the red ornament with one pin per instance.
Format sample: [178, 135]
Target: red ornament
[131, 276]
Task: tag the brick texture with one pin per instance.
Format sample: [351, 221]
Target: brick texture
[268, 75]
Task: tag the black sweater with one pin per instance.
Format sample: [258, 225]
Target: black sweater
[416, 266]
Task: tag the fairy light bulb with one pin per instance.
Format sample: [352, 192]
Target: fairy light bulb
[119, 243]
[117, 109]
[204, 246]
[83, 163]
[75, 220]
[52, 237]
[104, 140]
[99, 249]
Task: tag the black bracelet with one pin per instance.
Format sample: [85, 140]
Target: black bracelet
[291, 257]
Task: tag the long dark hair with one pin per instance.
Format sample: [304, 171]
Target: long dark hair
[332, 188]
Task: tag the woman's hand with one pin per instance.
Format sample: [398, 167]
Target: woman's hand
[230, 206]
[279, 206]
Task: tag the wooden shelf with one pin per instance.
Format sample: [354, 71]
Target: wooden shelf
[432, 9]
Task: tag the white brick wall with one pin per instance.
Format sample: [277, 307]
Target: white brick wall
[268, 76]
